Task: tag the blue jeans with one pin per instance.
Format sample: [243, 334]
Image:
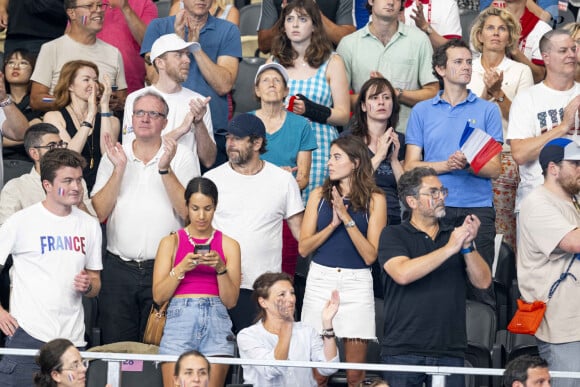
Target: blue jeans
[416, 379]
[201, 323]
[125, 299]
[18, 371]
[561, 357]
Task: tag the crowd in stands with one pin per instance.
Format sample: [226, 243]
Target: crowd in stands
[385, 150]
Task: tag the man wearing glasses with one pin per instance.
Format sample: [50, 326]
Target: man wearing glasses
[140, 190]
[170, 55]
[79, 42]
[428, 264]
[26, 190]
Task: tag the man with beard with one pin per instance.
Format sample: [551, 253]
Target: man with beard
[549, 245]
[427, 265]
[170, 58]
[255, 196]
[215, 56]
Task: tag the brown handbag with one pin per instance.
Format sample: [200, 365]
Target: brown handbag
[155, 324]
[157, 317]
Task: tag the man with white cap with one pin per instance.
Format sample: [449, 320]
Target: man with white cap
[548, 248]
[216, 54]
[189, 118]
[255, 197]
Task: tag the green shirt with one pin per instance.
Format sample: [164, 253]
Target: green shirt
[405, 61]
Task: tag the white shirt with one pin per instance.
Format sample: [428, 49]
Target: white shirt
[516, 77]
[442, 15]
[178, 108]
[48, 252]
[143, 213]
[533, 112]
[251, 209]
[255, 342]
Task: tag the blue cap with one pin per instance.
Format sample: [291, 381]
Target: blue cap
[245, 125]
[557, 150]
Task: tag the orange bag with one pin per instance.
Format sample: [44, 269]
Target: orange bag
[528, 317]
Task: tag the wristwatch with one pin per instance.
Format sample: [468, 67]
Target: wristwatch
[500, 99]
[350, 224]
[428, 30]
[400, 91]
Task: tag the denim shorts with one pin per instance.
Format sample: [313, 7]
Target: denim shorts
[202, 324]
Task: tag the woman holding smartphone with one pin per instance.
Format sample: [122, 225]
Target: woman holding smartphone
[198, 268]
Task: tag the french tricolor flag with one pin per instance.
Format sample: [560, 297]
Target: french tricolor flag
[478, 147]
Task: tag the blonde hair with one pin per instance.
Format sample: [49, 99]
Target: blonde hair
[513, 25]
[223, 3]
[572, 28]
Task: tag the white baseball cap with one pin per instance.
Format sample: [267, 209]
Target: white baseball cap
[169, 42]
[275, 66]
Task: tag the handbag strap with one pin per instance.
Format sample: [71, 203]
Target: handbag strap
[563, 276]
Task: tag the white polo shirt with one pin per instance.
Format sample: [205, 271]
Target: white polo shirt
[143, 213]
[178, 108]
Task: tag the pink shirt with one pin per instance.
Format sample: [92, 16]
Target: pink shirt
[117, 33]
[203, 279]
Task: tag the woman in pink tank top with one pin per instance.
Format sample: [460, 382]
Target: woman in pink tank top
[198, 268]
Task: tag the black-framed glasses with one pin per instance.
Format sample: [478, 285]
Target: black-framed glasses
[77, 365]
[151, 113]
[436, 193]
[93, 6]
[53, 145]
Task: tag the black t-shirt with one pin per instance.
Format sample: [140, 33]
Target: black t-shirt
[385, 179]
[426, 317]
[36, 18]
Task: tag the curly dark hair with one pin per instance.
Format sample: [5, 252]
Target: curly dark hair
[320, 46]
[440, 55]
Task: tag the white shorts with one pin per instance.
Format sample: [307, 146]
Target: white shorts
[356, 314]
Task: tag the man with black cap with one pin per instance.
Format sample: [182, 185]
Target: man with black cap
[254, 197]
[548, 246]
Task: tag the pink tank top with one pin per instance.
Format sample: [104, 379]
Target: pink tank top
[203, 279]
